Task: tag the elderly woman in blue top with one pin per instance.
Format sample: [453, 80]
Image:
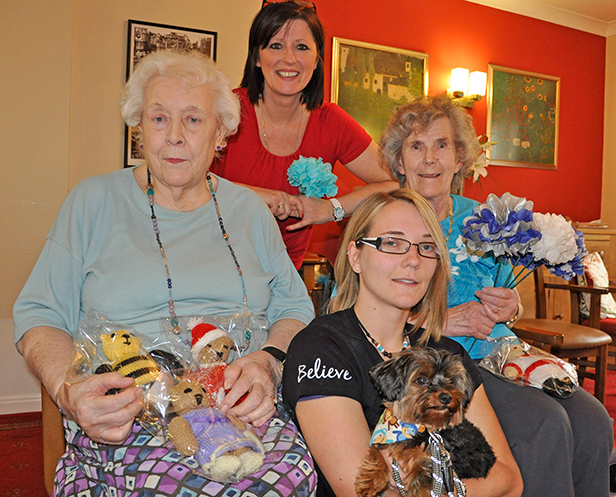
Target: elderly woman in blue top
[147, 243]
[562, 446]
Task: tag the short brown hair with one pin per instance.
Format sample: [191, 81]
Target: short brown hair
[417, 117]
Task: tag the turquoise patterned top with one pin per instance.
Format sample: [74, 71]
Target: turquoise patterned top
[471, 273]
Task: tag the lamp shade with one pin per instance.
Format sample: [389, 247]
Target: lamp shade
[459, 80]
[477, 83]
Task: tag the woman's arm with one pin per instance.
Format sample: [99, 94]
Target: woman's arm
[338, 436]
[366, 167]
[258, 374]
[504, 479]
[105, 418]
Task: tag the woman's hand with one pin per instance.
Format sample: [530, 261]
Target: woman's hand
[257, 375]
[501, 304]
[280, 203]
[477, 319]
[316, 211]
[469, 319]
[105, 418]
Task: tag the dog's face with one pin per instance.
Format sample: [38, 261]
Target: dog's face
[424, 386]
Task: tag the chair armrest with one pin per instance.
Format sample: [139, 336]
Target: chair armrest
[597, 290]
[538, 336]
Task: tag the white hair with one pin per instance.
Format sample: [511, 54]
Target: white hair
[191, 69]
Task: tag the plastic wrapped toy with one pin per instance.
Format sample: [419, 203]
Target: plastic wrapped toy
[519, 362]
[225, 448]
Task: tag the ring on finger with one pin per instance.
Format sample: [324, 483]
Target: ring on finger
[271, 397]
[499, 309]
[281, 206]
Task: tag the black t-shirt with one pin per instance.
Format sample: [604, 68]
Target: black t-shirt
[332, 357]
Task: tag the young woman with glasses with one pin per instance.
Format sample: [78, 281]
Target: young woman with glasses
[284, 117]
[393, 265]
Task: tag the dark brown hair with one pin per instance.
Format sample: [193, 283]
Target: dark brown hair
[265, 25]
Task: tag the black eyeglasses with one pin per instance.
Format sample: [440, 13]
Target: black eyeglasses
[399, 246]
[303, 3]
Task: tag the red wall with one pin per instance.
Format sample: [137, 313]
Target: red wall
[458, 33]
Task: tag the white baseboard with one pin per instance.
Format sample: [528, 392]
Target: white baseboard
[20, 403]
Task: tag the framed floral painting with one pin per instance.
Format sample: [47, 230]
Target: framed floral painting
[522, 125]
[371, 81]
[146, 37]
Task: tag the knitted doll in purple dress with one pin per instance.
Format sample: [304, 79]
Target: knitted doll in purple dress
[225, 447]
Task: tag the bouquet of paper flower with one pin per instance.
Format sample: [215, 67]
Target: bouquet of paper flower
[507, 228]
[313, 177]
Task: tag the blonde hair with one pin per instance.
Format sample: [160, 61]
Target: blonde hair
[417, 117]
[191, 69]
[431, 310]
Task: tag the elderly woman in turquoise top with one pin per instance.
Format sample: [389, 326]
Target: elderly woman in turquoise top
[429, 145]
[163, 240]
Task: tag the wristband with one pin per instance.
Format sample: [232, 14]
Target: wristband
[338, 209]
[277, 354]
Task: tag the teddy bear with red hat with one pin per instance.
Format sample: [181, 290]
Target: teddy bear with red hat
[210, 350]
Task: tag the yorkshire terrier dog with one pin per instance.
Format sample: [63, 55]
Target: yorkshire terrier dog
[425, 393]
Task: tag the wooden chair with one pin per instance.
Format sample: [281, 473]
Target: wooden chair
[53, 438]
[318, 275]
[568, 340]
[608, 325]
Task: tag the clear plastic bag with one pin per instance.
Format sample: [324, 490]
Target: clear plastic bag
[213, 342]
[517, 361]
[212, 444]
[101, 345]
[248, 331]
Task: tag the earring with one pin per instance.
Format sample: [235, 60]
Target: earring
[218, 148]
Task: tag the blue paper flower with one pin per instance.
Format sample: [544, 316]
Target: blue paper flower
[502, 226]
[313, 177]
[507, 228]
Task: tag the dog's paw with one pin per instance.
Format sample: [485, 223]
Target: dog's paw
[471, 454]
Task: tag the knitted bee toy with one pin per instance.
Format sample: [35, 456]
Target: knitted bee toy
[225, 448]
[123, 349]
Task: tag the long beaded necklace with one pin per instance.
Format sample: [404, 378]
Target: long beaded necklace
[379, 347]
[174, 320]
[266, 143]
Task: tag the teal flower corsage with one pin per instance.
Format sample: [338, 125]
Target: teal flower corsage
[313, 177]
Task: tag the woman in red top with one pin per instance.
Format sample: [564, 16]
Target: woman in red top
[283, 117]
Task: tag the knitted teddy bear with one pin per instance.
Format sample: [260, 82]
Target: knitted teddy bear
[540, 371]
[225, 448]
[210, 350]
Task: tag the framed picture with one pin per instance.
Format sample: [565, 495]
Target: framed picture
[147, 37]
[371, 81]
[522, 118]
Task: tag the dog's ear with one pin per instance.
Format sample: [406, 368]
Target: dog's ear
[389, 377]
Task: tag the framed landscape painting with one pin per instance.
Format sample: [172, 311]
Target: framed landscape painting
[147, 37]
[522, 118]
[371, 81]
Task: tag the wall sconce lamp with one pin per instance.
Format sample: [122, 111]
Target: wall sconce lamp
[467, 89]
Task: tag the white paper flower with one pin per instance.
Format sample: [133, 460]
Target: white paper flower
[557, 244]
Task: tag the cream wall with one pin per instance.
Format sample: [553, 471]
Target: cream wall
[61, 73]
[608, 193]
[98, 70]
